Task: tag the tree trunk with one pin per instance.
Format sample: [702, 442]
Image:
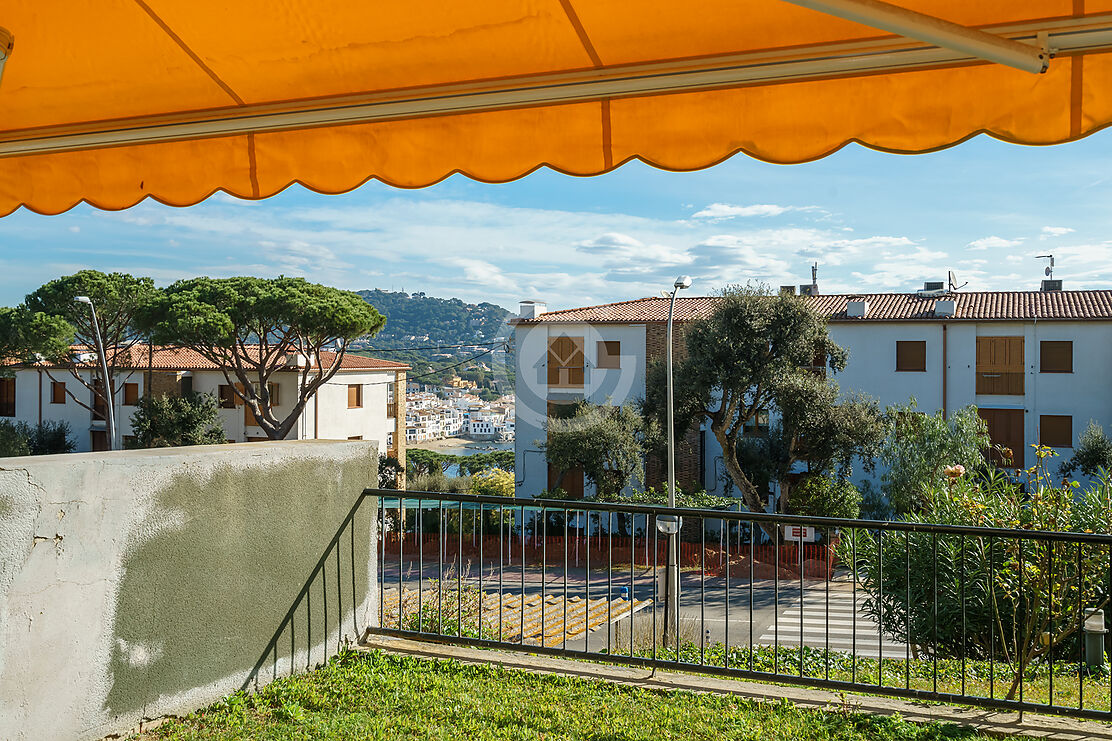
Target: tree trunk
[749, 493]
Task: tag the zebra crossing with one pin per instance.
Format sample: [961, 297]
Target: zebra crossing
[836, 625]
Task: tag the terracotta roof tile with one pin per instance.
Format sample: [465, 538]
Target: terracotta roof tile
[182, 359]
[883, 307]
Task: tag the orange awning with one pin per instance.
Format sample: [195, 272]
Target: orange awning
[118, 100]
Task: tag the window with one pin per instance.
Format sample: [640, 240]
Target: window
[1000, 368]
[757, 426]
[227, 396]
[355, 395]
[100, 411]
[7, 397]
[274, 390]
[186, 385]
[58, 392]
[355, 437]
[565, 362]
[131, 394]
[911, 355]
[1056, 430]
[1056, 356]
[609, 354]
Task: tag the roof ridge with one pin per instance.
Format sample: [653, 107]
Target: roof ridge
[601, 306]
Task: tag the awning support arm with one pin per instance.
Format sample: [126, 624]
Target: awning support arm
[7, 42]
[932, 30]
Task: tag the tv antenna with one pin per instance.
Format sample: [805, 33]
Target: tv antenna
[1049, 269]
[952, 281]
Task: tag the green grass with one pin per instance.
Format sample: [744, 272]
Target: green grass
[373, 695]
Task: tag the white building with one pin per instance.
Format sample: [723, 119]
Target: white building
[355, 404]
[1033, 362]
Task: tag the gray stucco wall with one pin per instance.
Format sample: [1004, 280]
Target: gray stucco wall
[137, 584]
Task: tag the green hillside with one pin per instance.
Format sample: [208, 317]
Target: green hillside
[438, 327]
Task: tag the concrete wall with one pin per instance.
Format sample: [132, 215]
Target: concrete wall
[137, 584]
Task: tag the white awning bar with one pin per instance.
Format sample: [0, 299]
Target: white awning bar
[932, 30]
[1067, 36]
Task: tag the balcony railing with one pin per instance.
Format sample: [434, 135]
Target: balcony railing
[990, 617]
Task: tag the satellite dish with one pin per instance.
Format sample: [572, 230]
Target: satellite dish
[952, 281]
[1046, 270]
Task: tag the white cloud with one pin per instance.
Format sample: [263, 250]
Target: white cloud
[1055, 231]
[993, 242]
[74, 229]
[728, 211]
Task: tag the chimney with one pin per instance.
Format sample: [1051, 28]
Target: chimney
[857, 308]
[531, 309]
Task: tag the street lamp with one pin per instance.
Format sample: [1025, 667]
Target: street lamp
[670, 525]
[104, 369]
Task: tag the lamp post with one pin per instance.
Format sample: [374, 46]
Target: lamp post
[111, 417]
[670, 525]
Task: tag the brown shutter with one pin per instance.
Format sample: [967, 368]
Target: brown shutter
[1056, 356]
[911, 355]
[565, 361]
[1005, 428]
[1056, 430]
[58, 392]
[131, 394]
[1000, 366]
[7, 397]
[355, 395]
[609, 353]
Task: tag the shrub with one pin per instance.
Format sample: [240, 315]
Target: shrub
[49, 437]
[822, 496]
[920, 445]
[12, 441]
[173, 421]
[1093, 453]
[493, 482]
[1018, 600]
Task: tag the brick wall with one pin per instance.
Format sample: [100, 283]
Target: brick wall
[689, 450]
[163, 383]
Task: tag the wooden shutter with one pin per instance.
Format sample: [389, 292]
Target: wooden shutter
[131, 394]
[274, 390]
[355, 395]
[1005, 428]
[911, 355]
[1000, 366]
[227, 396]
[1056, 356]
[1056, 430]
[7, 397]
[565, 362]
[58, 392]
[609, 354]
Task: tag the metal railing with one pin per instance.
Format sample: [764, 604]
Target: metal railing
[998, 618]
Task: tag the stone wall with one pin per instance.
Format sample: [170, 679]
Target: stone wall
[137, 584]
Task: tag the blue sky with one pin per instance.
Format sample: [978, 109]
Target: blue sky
[873, 221]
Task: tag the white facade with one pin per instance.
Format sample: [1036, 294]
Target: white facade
[1082, 395]
[327, 415]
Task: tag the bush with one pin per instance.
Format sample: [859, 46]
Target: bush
[388, 470]
[1015, 599]
[44, 438]
[49, 437]
[12, 442]
[919, 446]
[1092, 455]
[822, 496]
[494, 482]
[174, 421]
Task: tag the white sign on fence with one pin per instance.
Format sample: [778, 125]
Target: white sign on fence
[799, 533]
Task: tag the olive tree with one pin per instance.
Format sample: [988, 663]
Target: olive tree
[602, 439]
[252, 328]
[758, 356]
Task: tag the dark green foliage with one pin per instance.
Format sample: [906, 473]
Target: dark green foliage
[421, 461]
[12, 441]
[755, 356]
[822, 496]
[388, 471]
[605, 441]
[174, 421]
[1092, 455]
[46, 438]
[25, 333]
[253, 327]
